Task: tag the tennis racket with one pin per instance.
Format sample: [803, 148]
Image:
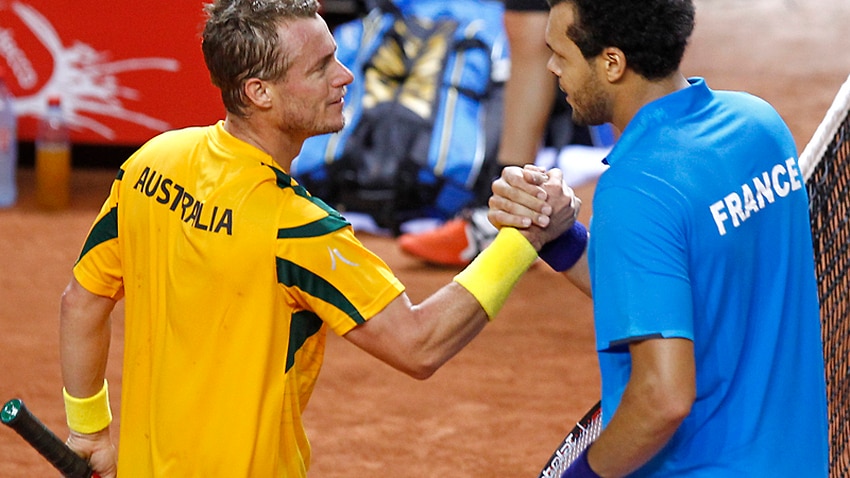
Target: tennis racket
[581, 436]
[19, 418]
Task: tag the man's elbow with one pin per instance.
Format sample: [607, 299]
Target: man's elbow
[420, 368]
[422, 373]
[678, 410]
[673, 408]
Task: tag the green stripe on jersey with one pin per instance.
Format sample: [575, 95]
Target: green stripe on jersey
[292, 275]
[285, 181]
[321, 227]
[305, 324]
[105, 230]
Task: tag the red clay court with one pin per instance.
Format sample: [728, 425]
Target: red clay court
[503, 404]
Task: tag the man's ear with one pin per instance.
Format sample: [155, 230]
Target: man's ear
[614, 63]
[257, 92]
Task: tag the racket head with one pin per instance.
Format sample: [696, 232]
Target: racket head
[580, 437]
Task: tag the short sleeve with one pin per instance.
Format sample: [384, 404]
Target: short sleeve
[641, 286]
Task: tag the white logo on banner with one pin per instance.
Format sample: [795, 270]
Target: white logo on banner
[84, 78]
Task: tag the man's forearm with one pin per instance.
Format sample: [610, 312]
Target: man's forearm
[84, 338]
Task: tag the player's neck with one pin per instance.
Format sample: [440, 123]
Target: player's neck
[269, 140]
[638, 92]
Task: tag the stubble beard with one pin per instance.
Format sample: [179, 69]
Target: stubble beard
[328, 128]
[590, 105]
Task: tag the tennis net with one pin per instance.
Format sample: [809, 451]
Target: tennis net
[825, 163]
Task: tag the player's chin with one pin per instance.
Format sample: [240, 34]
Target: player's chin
[332, 123]
[330, 128]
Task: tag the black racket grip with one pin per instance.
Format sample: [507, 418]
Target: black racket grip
[16, 415]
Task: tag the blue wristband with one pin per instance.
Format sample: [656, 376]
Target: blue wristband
[564, 251]
[580, 468]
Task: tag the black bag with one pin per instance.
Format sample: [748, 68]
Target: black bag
[423, 114]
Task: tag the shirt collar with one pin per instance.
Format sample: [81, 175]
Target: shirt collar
[661, 112]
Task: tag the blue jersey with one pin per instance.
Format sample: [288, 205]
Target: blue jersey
[701, 231]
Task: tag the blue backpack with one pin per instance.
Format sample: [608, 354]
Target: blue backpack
[423, 116]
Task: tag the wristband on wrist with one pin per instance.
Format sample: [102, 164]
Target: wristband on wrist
[88, 415]
[565, 250]
[580, 468]
[491, 277]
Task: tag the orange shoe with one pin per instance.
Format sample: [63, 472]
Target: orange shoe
[455, 243]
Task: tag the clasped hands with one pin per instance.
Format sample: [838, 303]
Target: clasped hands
[535, 201]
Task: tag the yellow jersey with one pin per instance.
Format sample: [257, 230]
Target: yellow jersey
[231, 275]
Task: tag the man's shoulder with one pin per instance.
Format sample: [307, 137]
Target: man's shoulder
[181, 135]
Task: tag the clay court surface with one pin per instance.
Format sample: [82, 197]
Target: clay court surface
[501, 406]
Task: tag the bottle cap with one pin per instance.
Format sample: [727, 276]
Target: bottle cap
[54, 100]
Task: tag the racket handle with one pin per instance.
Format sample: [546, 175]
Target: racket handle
[19, 418]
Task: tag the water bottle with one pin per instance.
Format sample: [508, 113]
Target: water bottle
[53, 158]
[8, 146]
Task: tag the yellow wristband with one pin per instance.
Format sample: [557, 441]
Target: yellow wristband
[491, 277]
[88, 415]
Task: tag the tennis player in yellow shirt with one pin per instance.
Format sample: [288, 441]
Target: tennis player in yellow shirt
[232, 273]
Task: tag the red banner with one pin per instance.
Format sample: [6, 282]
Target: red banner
[125, 70]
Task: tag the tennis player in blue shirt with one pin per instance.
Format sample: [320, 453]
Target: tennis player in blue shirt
[699, 257]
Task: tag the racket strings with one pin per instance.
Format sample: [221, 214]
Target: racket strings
[581, 436]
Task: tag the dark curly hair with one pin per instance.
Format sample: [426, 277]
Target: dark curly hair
[653, 34]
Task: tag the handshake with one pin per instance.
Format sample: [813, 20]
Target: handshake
[539, 204]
